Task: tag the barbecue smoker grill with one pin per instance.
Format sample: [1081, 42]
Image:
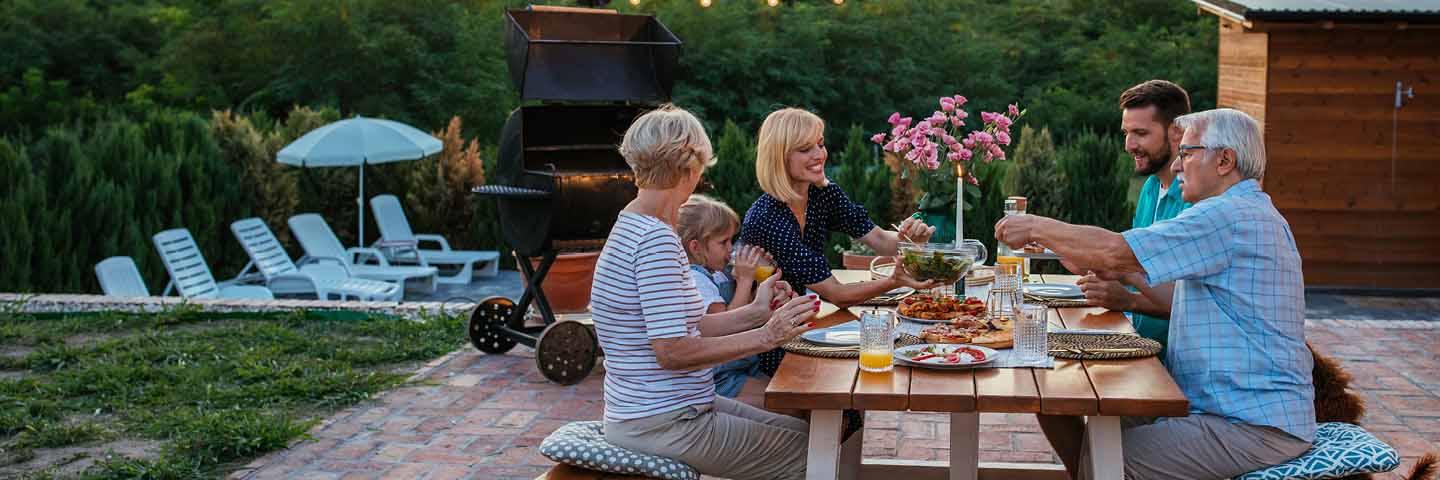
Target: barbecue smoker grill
[559, 180]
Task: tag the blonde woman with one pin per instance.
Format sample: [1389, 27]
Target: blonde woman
[660, 344]
[801, 207]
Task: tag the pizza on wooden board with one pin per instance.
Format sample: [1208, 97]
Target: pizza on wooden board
[970, 330]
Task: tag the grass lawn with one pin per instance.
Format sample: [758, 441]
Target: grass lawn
[184, 394]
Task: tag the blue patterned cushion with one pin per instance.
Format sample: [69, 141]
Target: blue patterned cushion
[582, 444]
[1340, 450]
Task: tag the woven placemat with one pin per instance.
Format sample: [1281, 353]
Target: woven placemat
[1101, 347]
[806, 347]
[1057, 302]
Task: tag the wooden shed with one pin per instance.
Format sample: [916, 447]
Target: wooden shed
[1354, 159]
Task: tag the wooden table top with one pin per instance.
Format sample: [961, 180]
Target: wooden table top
[1131, 387]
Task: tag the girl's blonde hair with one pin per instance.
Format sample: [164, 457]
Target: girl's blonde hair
[665, 144]
[783, 131]
[703, 218]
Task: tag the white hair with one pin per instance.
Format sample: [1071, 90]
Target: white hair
[1232, 129]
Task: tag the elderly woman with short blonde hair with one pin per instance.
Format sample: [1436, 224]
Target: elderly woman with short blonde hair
[660, 344]
[801, 207]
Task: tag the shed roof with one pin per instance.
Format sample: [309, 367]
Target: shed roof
[1303, 10]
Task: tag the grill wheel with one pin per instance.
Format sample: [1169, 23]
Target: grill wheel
[566, 352]
[485, 322]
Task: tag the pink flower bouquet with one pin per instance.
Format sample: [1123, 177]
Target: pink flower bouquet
[942, 136]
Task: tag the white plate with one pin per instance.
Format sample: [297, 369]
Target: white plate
[902, 357]
[1054, 290]
[843, 335]
[899, 291]
[1045, 255]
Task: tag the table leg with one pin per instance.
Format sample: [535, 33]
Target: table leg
[852, 454]
[964, 446]
[823, 460]
[1102, 436]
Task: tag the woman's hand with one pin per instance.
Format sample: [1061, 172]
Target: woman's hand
[745, 261]
[901, 278]
[915, 229]
[768, 294]
[791, 320]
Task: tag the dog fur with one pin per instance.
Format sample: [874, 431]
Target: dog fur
[1334, 402]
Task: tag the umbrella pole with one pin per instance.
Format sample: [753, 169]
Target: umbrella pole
[360, 200]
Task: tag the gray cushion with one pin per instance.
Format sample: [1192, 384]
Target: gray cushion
[582, 444]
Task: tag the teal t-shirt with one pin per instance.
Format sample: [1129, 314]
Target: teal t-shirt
[1150, 208]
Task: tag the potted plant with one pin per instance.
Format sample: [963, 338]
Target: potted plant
[857, 257]
[567, 284]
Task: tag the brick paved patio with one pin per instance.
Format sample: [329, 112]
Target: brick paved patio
[481, 416]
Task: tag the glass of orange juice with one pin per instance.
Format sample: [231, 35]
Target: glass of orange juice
[877, 341]
[763, 270]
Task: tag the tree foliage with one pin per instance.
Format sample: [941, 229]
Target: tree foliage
[108, 110]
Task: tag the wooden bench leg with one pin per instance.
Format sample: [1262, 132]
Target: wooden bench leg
[964, 446]
[823, 460]
[1107, 461]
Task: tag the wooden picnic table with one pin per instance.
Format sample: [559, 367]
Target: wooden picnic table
[1100, 390]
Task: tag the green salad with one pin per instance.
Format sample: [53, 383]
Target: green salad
[935, 266]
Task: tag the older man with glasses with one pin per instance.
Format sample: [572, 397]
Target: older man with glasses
[1237, 339]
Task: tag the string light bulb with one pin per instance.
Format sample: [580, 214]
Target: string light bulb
[773, 3]
[705, 3]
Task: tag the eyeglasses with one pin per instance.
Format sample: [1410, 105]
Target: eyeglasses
[1186, 149]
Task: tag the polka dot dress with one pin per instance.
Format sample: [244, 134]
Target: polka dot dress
[769, 224]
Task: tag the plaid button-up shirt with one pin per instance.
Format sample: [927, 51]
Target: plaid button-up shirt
[1237, 332]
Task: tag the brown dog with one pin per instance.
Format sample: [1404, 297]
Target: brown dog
[1334, 402]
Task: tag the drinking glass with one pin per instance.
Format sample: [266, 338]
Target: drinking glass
[877, 340]
[1031, 333]
[763, 269]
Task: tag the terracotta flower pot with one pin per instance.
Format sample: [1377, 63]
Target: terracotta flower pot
[856, 262]
[567, 285]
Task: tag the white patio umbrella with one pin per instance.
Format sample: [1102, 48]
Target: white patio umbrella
[356, 142]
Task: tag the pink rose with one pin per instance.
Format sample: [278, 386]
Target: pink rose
[960, 100]
[969, 142]
[898, 131]
[879, 139]
[912, 155]
[906, 121]
[1014, 110]
[956, 120]
[894, 118]
[949, 140]
[1002, 137]
[965, 155]
[1003, 122]
[984, 137]
[953, 156]
[962, 114]
[996, 152]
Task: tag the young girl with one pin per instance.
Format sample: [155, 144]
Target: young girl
[705, 227]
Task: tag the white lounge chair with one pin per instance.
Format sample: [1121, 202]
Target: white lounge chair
[321, 245]
[120, 278]
[402, 245]
[191, 276]
[281, 275]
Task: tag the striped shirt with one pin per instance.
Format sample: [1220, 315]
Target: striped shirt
[643, 292]
[1237, 331]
